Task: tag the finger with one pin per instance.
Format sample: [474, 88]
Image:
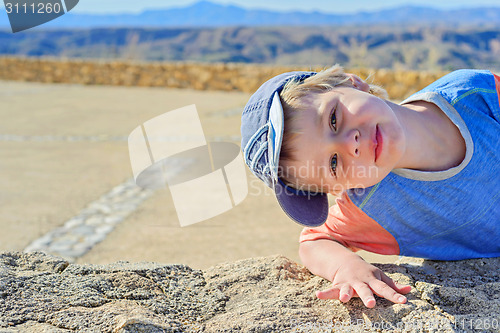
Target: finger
[366, 295]
[382, 289]
[330, 293]
[400, 288]
[345, 293]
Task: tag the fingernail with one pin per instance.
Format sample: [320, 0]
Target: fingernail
[402, 299]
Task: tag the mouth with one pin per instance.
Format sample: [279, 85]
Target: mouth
[379, 144]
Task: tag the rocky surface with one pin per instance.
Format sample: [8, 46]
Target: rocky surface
[41, 293]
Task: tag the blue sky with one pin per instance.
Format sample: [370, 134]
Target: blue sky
[332, 6]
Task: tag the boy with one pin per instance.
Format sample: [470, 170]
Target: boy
[416, 179]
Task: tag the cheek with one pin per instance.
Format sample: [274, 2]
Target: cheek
[359, 175]
[369, 104]
[363, 176]
[396, 140]
[366, 174]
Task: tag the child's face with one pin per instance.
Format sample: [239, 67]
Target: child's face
[348, 139]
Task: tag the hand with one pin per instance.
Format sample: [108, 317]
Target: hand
[357, 278]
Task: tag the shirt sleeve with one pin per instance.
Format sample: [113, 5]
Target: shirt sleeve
[497, 86]
[351, 227]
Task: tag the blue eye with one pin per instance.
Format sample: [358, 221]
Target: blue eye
[333, 120]
[333, 164]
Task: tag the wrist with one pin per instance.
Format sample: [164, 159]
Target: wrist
[345, 261]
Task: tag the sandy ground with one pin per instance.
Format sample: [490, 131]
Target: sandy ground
[44, 183]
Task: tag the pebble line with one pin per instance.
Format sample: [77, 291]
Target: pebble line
[91, 226]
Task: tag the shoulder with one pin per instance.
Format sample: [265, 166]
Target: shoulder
[466, 90]
[461, 81]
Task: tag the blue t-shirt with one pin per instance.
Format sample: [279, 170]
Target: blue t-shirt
[452, 214]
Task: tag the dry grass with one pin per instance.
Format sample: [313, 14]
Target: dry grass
[201, 76]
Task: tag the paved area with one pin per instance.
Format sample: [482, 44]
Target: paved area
[64, 147]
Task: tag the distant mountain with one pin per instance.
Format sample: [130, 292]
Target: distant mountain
[208, 14]
[423, 48]
[406, 37]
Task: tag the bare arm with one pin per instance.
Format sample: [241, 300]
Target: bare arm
[323, 257]
[350, 275]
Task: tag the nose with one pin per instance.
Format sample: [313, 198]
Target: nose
[349, 143]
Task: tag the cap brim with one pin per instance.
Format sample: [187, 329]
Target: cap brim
[306, 208]
[275, 134]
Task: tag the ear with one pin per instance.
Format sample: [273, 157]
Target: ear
[358, 83]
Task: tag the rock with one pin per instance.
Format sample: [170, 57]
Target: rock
[42, 293]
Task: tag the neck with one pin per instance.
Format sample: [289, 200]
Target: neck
[433, 142]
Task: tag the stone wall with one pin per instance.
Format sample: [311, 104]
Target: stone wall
[201, 76]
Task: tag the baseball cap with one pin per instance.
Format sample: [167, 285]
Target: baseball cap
[261, 138]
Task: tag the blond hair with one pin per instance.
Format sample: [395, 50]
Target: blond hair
[293, 99]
